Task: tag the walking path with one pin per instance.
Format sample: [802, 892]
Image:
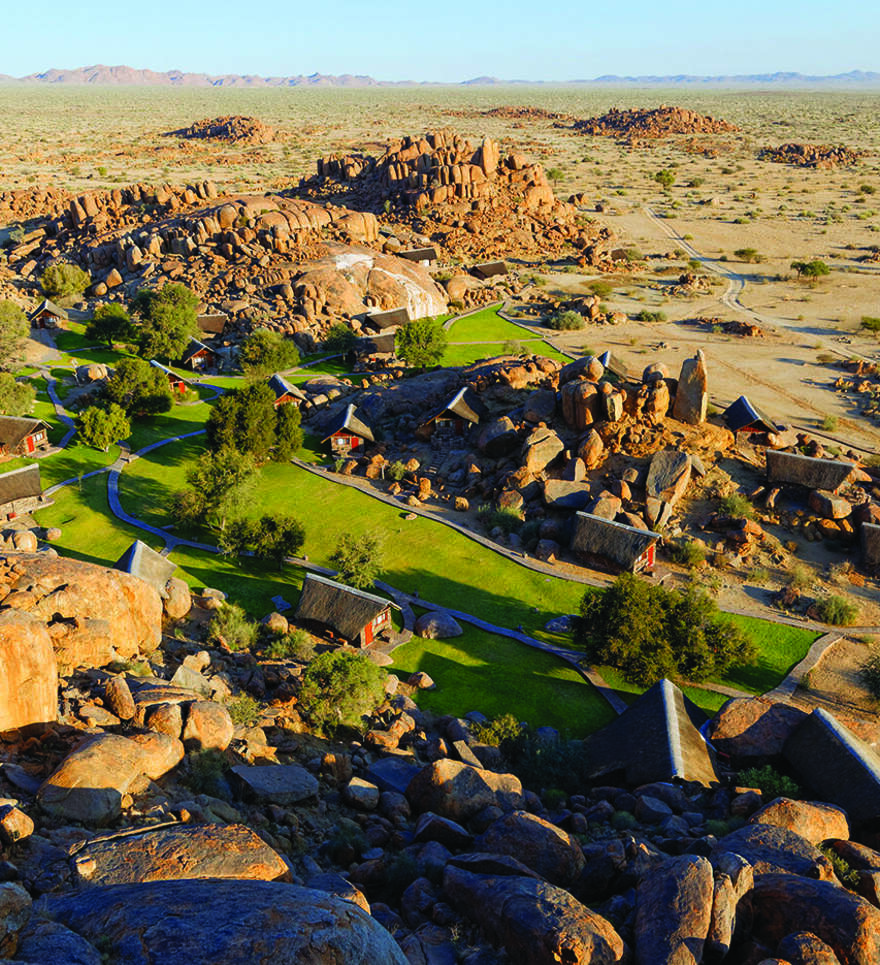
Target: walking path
[789, 684]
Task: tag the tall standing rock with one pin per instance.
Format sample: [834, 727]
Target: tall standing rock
[692, 396]
[28, 674]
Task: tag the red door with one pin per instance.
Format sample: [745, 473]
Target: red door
[30, 444]
[368, 634]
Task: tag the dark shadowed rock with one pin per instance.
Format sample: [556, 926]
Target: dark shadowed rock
[549, 850]
[753, 727]
[276, 783]
[536, 923]
[563, 494]
[432, 827]
[224, 923]
[812, 820]
[47, 941]
[15, 912]
[498, 437]
[459, 791]
[772, 850]
[804, 948]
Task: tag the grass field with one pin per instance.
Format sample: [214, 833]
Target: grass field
[485, 335]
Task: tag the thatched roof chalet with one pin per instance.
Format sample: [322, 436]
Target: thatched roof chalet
[211, 325]
[22, 483]
[144, 562]
[382, 344]
[14, 430]
[174, 378]
[836, 766]
[391, 318]
[419, 254]
[489, 269]
[795, 469]
[195, 350]
[345, 610]
[742, 414]
[465, 405]
[624, 545]
[284, 390]
[655, 739]
[47, 307]
[351, 424]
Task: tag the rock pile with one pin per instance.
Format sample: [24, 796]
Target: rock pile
[821, 156]
[37, 202]
[642, 122]
[231, 129]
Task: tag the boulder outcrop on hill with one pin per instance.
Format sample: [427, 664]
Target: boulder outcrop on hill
[821, 156]
[643, 122]
[234, 128]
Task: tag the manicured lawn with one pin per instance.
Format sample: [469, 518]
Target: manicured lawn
[484, 672]
[75, 460]
[465, 354]
[147, 485]
[780, 647]
[485, 325]
[178, 421]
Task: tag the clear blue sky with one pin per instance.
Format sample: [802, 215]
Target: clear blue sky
[444, 41]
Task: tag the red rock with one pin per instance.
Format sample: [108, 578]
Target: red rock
[812, 820]
[29, 681]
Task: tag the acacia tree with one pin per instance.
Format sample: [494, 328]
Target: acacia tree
[139, 388]
[358, 560]
[421, 343]
[16, 398]
[217, 489]
[102, 427]
[110, 323]
[269, 537]
[14, 330]
[168, 320]
[247, 420]
[264, 352]
[64, 280]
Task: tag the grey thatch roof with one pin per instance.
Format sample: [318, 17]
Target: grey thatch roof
[655, 739]
[13, 429]
[391, 318]
[281, 387]
[342, 608]
[465, 404]
[212, 324]
[350, 423]
[604, 537]
[871, 544]
[374, 345]
[194, 347]
[741, 414]
[835, 765]
[791, 467]
[419, 254]
[488, 269]
[20, 483]
[50, 307]
[144, 562]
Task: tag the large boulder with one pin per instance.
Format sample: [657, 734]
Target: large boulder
[47, 941]
[540, 448]
[15, 912]
[437, 625]
[28, 673]
[184, 851]
[540, 845]
[92, 782]
[537, 923]
[692, 395]
[498, 437]
[212, 922]
[772, 850]
[812, 820]
[276, 783]
[458, 791]
[562, 494]
[753, 727]
[580, 403]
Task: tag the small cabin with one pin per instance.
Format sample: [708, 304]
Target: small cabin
[489, 269]
[794, 469]
[391, 318]
[48, 315]
[464, 410]
[622, 546]
[212, 326]
[424, 256]
[177, 383]
[200, 357]
[21, 492]
[285, 392]
[373, 351]
[742, 416]
[22, 436]
[356, 617]
[348, 433]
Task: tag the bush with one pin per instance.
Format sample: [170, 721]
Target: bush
[567, 321]
[601, 288]
[810, 269]
[16, 398]
[358, 560]
[498, 732]
[847, 875]
[14, 330]
[206, 769]
[507, 519]
[231, 626]
[512, 347]
[421, 343]
[869, 671]
[244, 710]
[646, 316]
[688, 553]
[749, 255]
[828, 423]
[264, 352]
[665, 178]
[64, 280]
[736, 505]
[870, 323]
[396, 471]
[339, 689]
[339, 339]
[836, 610]
[297, 644]
[769, 781]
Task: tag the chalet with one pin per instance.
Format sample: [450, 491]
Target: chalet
[356, 617]
[22, 436]
[489, 269]
[657, 738]
[177, 383]
[21, 492]
[145, 563]
[392, 318]
[464, 409]
[348, 433]
[742, 416]
[48, 315]
[424, 256]
[798, 470]
[627, 547]
[212, 326]
[375, 350]
[200, 357]
[285, 391]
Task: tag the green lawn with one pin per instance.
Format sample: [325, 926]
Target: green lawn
[485, 325]
[465, 354]
[178, 421]
[494, 675]
[147, 485]
[780, 647]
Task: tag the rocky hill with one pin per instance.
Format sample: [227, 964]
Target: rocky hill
[643, 122]
[821, 156]
[234, 129]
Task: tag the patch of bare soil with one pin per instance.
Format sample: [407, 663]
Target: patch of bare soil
[836, 683]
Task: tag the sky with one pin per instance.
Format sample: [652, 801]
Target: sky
[444, 41]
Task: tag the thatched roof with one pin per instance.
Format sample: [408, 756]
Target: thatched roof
[391, 318]
[352, 424]
[20, 483]
[374, 345]
[172, 375]
[835, 765]
[655, 739]
[51, 308]
[144, 562]
[212, 324]
[342, 608]
[741, 414]
[281, 387]
[465, 404]
[791, 467]
[489, 269]
[618, 542]
[14, 429]
[193, 349]
[419, 254]
[871, 544]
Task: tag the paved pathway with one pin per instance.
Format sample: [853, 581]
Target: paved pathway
[786, 688]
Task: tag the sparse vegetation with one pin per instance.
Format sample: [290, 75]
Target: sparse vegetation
[231, 627]
[339, 689]
[736, 505]
[769, 782]
[837, 610]
[565, 321]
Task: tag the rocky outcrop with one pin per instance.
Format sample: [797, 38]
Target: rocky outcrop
[458, 791]
[643, 122]
[29, 678]
[812, 820]
[821, 156]
[234, 129]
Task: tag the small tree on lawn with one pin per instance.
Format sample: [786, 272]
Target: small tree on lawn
[421, 343]
[168, 320]
[245, 420]
[218, 486]
[16, 398]
[110, 323]
[339, 339]
[102, 427]
[139, 388]
[288, 432]
[269, 537]
[264, 352]
[14, 330]
[358, 560]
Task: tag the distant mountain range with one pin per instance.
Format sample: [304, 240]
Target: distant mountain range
[101, 75]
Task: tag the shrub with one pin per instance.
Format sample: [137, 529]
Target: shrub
[498, 731]
[396, 471]
[871, 323]
[206, 770]
[810, 269]
[339, 689]
[688, 553]
[828, 423]
[297, 644]
[623, 821]
[64, 280]
[421, 343]
[646, 316]
[339, 339]
[836, 610]
[567, 321]
[264, 352]
[847, 875]
[869, 671]
[769, 782]
[244, 710]
[748, 255]
[665, 178]
[231, 626]
[736, 505]
[800, 577]
[504, 518]
[358, 560]
[512, 347]
[601, 288]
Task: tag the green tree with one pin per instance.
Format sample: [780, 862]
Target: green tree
[110, 323]
[288, 432]
[421, 343]
[168, 320]
[665, 178]
[245, 420]
[339, 689]
[64, 280]
[566, 321]
[139, 388]
[217, 489]
[264, 352]
[14, 330]
[358, 560]
[339, 339]
[102, 427]
[269, 537]
[810, 269]
[16, 398]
